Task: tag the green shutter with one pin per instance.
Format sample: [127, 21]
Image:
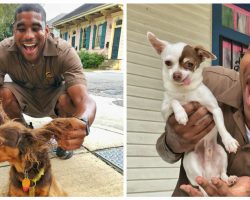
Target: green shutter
[66, 36]
[80, 43]
[87, 37]
[104, 28]
[93, 39]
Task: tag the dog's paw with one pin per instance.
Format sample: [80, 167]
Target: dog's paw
[232, 180]
[230, 144]
[181, 118]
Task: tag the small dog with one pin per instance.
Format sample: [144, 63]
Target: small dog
[27, 152]
[182, 78]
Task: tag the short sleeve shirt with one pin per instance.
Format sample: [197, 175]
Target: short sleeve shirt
[58, 64]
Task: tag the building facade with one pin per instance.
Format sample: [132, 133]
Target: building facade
[95, 28]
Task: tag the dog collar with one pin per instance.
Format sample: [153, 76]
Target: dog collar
[26, 182]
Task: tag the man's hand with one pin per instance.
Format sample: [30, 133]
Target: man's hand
[74, 135]
[182, 138]
[217, 187]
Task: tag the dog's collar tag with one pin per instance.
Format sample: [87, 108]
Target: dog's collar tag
[26, 184]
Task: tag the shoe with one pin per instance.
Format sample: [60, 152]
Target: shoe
[30, 125]
[63, 154]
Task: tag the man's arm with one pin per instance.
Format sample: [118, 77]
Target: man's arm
[84, 106]
[83, 103]
[178, 138]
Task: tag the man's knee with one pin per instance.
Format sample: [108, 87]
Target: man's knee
[7, 96]
[64, 106]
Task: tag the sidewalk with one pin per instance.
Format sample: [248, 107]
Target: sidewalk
[96, 168]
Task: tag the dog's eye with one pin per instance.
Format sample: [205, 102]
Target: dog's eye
[189, 65]
[168, 63]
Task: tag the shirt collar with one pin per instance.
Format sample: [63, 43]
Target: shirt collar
[50, 48]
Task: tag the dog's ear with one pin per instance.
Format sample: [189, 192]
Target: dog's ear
[159, 45]
[42, 135]
[25, 142]
[9, 137]
[203, 53]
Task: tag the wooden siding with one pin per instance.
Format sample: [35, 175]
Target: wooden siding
[147, 174]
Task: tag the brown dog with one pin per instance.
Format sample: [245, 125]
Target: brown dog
[27, 152]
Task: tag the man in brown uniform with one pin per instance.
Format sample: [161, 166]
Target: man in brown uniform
[47, 75]
[233, 94]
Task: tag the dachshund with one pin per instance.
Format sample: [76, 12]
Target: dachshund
[27, 152]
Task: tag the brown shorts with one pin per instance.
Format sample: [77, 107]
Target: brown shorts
[38, 102]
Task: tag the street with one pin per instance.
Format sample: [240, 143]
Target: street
[106, 84]
[107, 89]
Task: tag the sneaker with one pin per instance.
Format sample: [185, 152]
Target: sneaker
[63, 154]
[30, 125]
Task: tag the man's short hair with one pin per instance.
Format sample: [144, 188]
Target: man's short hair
[31, 7]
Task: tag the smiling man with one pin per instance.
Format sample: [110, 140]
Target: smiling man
[47, 75]
[232, 91]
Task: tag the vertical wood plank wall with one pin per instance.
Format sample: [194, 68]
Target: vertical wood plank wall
[148, 175]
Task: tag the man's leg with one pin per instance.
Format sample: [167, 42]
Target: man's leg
[64, 106]
[11, 105]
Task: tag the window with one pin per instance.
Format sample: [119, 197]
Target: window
[65, 36]
[84, 38]
[73, 39]
[232, 52]
[230, 33]
[119, 22]
[98, 35]
[236, 18]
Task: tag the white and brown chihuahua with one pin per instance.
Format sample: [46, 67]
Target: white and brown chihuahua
[182, 78]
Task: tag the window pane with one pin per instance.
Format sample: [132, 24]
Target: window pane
[236, 57]
[242, 23]
[98, 35]
[226, 57]
[227, 17]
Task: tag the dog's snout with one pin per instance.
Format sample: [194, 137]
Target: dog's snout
[177, 76]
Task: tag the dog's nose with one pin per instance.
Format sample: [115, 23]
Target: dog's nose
[177, 76]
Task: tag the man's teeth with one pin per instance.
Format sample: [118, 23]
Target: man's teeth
[29, 45]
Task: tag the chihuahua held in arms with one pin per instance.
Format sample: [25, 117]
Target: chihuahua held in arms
[182, 78]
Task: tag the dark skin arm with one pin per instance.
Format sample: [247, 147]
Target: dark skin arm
[83, 105]
[184, 138]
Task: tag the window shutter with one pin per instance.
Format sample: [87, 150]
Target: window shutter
[104, 28]
[94, 35]
[66, 36]
[87, 37]
[80, 43]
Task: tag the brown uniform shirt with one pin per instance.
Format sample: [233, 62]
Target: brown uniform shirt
[59, 62]
[225, 85]
[37, 87]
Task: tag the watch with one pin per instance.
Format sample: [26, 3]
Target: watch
[86, 121]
